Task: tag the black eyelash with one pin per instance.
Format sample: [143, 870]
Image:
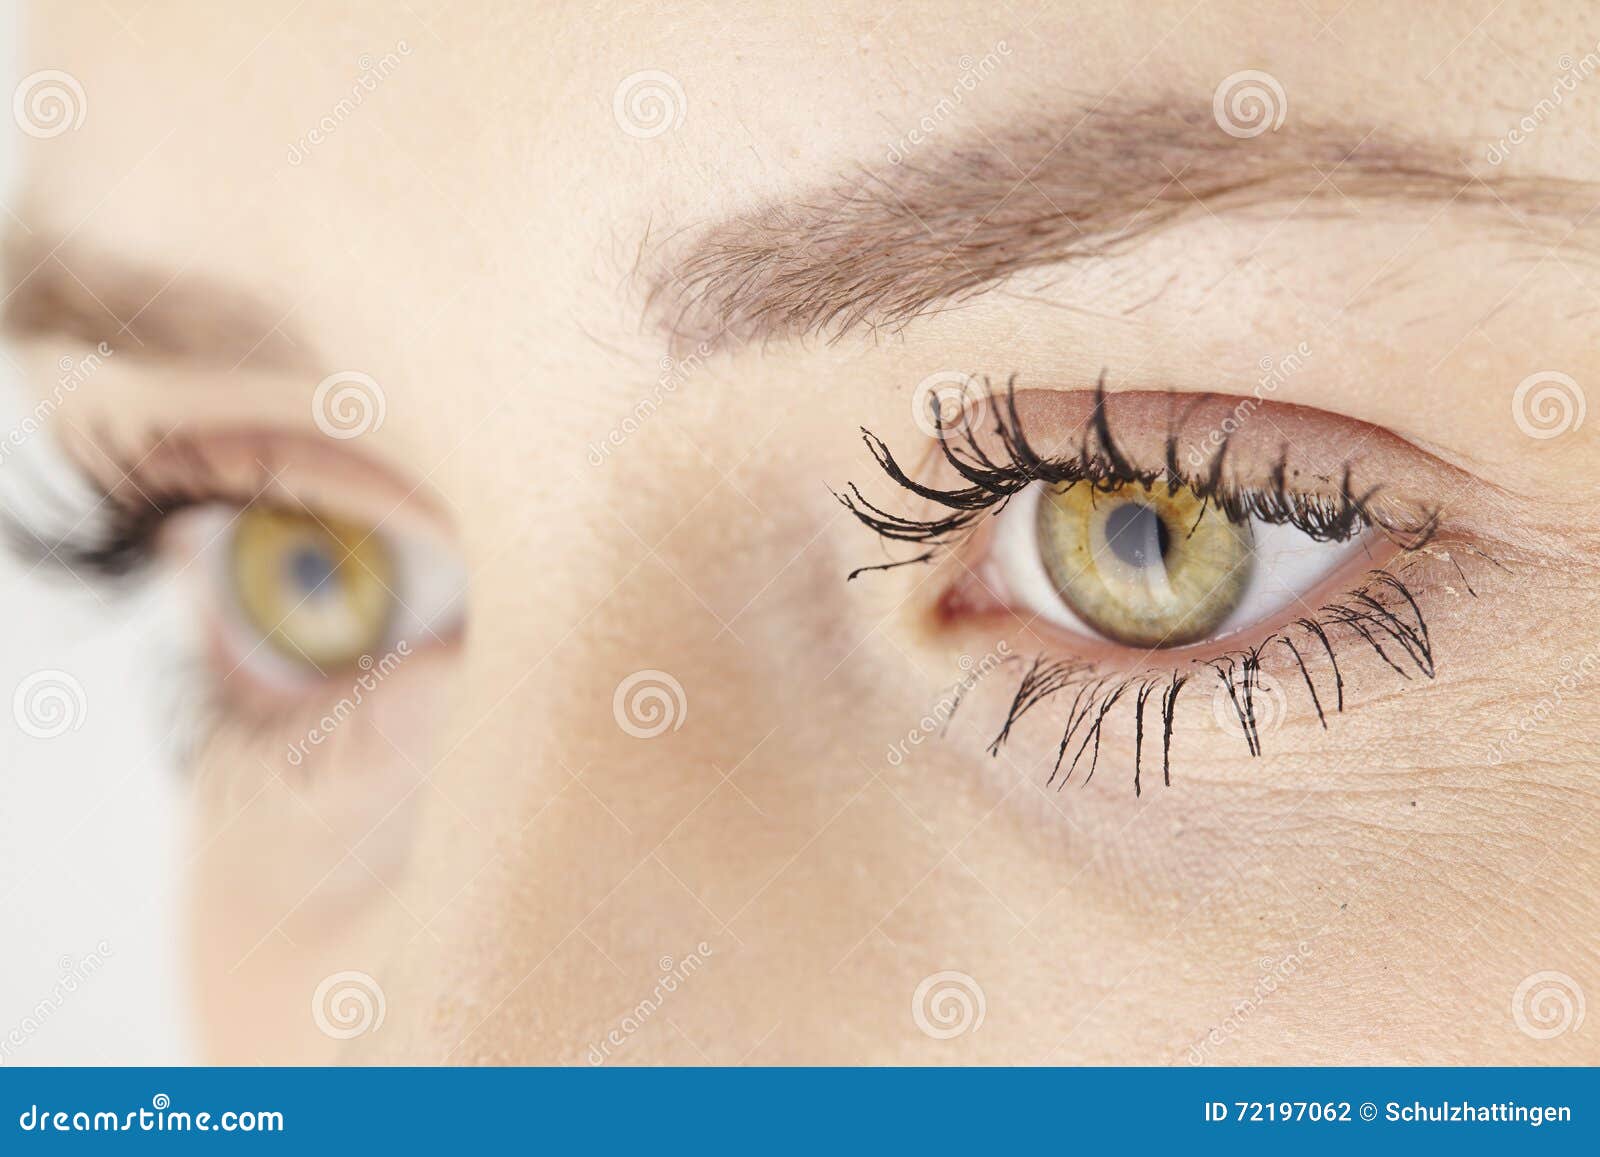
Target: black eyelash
[1362, 612]
[1383, 613]
[110, 533]
[116, 536]
[1100, 463]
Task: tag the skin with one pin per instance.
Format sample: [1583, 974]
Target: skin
[510, 867]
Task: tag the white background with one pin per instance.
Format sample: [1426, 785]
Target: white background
[90, 841]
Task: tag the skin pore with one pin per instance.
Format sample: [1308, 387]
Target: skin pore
[622, 369]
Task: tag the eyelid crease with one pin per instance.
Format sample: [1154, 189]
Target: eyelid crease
[1382, 613]
[129, 492]
[995, 473]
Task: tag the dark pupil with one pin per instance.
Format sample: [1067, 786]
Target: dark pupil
[1137, 535]
[312, 569]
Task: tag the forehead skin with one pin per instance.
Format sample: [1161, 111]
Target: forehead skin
[480, 235]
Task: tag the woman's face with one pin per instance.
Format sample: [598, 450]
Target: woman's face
[489, 389]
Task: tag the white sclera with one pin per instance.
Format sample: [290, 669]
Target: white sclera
[429, 587]
[1289, 566]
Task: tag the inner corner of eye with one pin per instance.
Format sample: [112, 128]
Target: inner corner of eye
[1151, 566]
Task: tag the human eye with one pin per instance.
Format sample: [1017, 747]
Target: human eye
[1142, 544]
[306, 576]
[1153, 564]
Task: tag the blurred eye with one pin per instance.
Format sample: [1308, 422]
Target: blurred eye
[317, 590]
[298, 595]
[1145, 567]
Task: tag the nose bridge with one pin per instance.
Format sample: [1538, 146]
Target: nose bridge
[514, 849]
[586, 747]
[558, 878]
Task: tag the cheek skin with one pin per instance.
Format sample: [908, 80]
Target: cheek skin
[296, 869]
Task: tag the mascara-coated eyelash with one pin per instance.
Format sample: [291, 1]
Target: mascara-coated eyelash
[280, 568]
[1382, 613]
[1361, 612]
[117, 537]
[1100, 463]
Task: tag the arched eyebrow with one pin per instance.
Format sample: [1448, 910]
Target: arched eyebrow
[68, 290]
[896, 240]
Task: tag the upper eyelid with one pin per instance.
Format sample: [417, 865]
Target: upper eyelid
[236, 463]
[133, 491]
[979, 475]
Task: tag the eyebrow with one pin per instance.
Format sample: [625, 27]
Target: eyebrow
[896, 241]
[89, 296]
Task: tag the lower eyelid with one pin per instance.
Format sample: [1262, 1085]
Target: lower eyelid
[1072, 694]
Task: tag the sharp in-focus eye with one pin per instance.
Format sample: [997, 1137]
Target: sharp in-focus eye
[1116, 543]
[1150, 566]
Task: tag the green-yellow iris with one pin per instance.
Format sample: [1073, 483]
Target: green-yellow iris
[1144, 567]
[317, 590]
